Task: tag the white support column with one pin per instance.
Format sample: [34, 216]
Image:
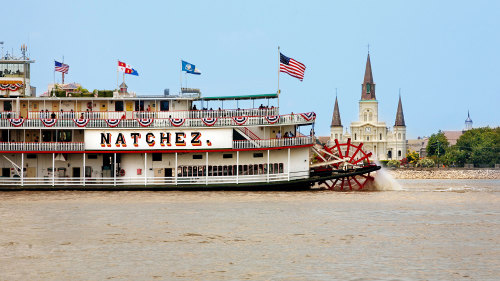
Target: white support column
[206, 168]
[53, 168]
[237, 167]
[22, 169]
[114, 169]
[145, 168]
[268, 165]
[175, 171]
[83, 169]
[288, 166]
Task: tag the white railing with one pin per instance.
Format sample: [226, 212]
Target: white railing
[192, 114]
[76, 114]
[42, 146]
[150, 181]
[294, 141]
[289, 119]
[9, 114]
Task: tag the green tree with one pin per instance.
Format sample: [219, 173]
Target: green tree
[480, 146]
[437, 144]
[454, 157]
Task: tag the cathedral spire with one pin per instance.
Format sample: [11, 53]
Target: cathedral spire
[336, 122]
[400, 118]
[368, 87]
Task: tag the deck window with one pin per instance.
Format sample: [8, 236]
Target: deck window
[197, 156]
[225, 156]
[157, 156]
[258, 155]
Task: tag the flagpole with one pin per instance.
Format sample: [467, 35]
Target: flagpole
[279, 60]
[117, 81]
[62, 72]
[180, 77]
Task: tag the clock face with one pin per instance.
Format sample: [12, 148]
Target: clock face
[368, 129]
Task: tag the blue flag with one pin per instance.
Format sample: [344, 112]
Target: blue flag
[190, 68]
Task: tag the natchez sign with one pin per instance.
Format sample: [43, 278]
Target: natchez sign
[158, 139]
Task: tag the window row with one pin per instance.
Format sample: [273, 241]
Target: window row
[229, 170]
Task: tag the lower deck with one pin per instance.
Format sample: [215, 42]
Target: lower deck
[172, 169]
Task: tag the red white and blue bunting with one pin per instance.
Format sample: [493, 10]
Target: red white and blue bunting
[81, 122]
[240, 120]
[17, 122]
[49, 122]
[113, 122]
[272, 119]
[11, 87]
[209, 121]
[145, 122]
[177, 122]
[308, 116]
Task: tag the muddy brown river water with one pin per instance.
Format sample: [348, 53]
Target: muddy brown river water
[425, 230]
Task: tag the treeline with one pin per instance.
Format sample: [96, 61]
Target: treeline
[480, 147]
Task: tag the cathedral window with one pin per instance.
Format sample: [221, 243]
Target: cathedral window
[380, 136]
[368, 88]
[337, 136]
[370, 117]
[365, 116]
[367, 138]
[355, 136]
[399, 152]
[399, 136]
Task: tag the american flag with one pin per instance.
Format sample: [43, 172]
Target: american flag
[61, 67]
[292, 67]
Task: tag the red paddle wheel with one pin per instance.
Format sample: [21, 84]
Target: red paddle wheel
[343, 158]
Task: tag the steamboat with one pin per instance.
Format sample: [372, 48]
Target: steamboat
[117, 140]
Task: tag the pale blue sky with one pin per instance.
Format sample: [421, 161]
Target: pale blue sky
[444, 55]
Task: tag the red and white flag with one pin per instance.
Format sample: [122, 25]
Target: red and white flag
[123, 67]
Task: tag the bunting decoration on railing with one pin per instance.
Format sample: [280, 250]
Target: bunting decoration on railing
[81, 122]
[112, 122]
[10, 86]
[177, 122]
[145, 122]
[272, 119]
[16, 122]
[209, 121]
[49, 122]
[240, 120]
[308, 116]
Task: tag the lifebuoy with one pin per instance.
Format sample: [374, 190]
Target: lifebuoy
[122, 173]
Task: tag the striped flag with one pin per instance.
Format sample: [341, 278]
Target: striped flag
[61, 67]
[292, 67]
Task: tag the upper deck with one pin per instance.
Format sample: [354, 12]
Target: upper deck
[189, 111]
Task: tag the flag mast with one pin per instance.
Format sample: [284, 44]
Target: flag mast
[63, 72]
[279, 61]
[117, 81]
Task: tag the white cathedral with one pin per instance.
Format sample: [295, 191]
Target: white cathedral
[374, 134]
